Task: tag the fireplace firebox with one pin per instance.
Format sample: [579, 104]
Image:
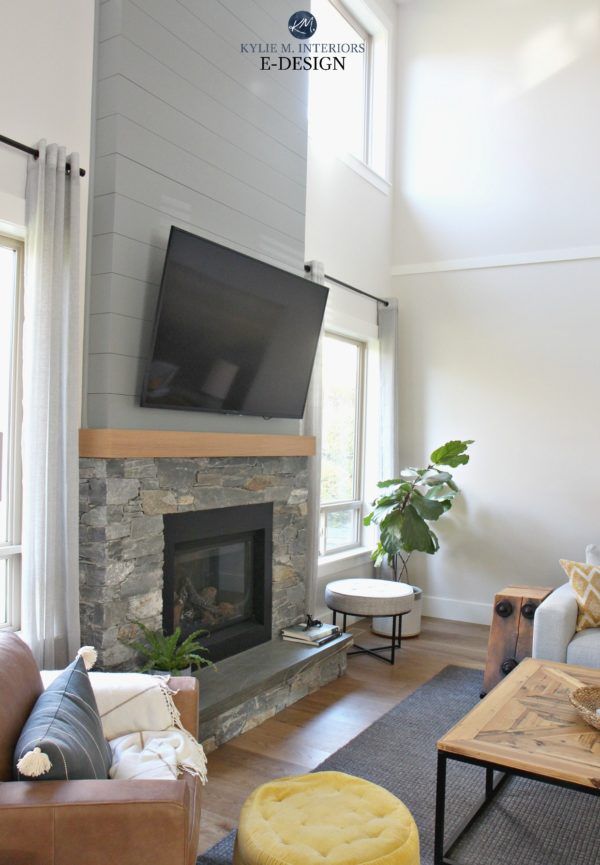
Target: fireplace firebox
[217, 576]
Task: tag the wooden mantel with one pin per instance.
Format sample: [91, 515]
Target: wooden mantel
[122, 443]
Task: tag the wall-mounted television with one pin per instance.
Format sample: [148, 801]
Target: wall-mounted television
[232, 334]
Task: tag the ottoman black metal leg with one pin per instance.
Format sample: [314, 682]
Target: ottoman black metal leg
[391, 648]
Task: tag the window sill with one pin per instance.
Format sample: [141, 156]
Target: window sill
[367, 173]
[336, 562]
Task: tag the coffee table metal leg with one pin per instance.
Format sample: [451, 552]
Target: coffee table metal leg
[440, 808]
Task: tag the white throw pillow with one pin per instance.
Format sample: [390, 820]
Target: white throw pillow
[592, 554]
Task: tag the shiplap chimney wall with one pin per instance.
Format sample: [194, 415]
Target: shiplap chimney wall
[188, 132]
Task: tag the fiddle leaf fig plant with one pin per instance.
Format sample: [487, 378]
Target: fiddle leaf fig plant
[409, 503]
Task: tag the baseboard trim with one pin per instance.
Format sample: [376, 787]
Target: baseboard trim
[457, 611]
[546, 256]
[437, 608]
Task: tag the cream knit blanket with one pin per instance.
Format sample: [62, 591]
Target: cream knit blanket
[143, 726]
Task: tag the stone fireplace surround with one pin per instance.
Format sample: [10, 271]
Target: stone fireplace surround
[122, 503]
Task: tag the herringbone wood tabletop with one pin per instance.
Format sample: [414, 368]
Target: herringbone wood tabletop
[527, 723]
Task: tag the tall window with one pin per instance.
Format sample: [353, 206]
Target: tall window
[342, 444]
[340, 100]
[11, 282]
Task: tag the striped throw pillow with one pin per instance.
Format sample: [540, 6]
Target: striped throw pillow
[585, 582]
[62, 739]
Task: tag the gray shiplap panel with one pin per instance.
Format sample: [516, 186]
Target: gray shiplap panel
[119, 334]
[198, 138]
[255, 22]
[140, 222]
[116, 374]
[136, 104]
[247, 22]
[118, 411]
[122, 295]
[195, 213]
[122, 52]
[109, 19]
[168, 160]
[226, 121]
[112, 253]
[200, 31]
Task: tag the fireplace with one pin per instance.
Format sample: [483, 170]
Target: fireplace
[217, 576]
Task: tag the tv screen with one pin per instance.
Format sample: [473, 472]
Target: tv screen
[231, 334]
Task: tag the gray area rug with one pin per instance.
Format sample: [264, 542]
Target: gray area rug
[527, 824]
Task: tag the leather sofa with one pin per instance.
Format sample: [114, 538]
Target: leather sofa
[137, 822]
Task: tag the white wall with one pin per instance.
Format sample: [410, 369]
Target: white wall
[498, 143]
[349, 209]
[46, 55]
[348, 223]
[46, 61]
[497, 128]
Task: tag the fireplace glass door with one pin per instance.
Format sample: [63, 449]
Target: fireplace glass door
[217, 576]
[213, 583]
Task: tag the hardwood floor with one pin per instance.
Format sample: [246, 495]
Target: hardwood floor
[302, 736]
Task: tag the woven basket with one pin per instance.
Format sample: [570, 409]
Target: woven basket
[586, 701]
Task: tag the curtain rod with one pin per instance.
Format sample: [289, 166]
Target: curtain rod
[35, 153]
[351, 287]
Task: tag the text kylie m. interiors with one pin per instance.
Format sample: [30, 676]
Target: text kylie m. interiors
[323, 50]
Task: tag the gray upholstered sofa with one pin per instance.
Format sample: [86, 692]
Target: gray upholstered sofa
[554, 635]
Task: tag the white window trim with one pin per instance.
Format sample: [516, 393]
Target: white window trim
[377, 30]
[12, 550]
[358, 26]
[351, 327]
[355, 504]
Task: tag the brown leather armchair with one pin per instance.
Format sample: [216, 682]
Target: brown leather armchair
[89, 822]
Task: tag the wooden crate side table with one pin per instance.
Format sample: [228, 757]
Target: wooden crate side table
[511, 634]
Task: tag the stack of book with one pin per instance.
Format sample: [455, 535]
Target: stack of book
[311, 636]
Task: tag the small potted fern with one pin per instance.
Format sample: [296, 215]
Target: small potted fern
[169, 655]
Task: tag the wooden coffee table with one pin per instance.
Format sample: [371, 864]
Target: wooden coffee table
[526, 726]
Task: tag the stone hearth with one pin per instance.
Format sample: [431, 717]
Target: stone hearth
[122, 535]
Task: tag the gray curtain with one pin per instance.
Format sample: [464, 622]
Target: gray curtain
[311, 426]
[387, 320]
[51, 370]
[389, 453]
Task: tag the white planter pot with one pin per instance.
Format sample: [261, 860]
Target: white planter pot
[411, 622]
[186, 672]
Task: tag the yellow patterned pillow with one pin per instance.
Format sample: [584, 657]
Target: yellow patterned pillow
[585, 582]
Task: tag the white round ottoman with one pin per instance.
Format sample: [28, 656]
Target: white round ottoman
[371, 597]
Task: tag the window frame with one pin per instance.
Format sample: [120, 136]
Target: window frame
[376, 28]
[367, 38]
[11, 550]
[356, 504]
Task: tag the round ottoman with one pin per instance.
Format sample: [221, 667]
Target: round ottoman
[325, 817]
[371, 597]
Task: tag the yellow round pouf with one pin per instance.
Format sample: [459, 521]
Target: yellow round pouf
[325, 818]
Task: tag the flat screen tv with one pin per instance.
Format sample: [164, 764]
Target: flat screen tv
[231, 334]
